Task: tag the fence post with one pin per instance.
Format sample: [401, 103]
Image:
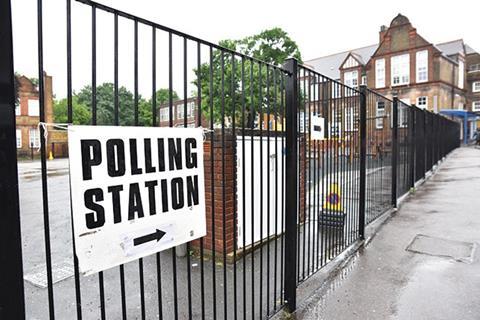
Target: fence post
[411, 131]
[291, 201]
[11, 277]
[394, 150]
[363, 160]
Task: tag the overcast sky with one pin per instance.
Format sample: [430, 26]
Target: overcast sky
[319, 28]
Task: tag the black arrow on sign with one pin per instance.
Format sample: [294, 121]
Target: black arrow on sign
[157, 235]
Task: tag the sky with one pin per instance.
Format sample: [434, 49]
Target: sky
[318, 27]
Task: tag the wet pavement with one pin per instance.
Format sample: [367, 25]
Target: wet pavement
[423, 263]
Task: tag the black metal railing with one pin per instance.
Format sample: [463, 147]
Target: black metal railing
[296, 165]
[372, 152]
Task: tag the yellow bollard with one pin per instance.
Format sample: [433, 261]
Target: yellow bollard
[50, 156]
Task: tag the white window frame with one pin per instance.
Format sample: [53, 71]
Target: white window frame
[19, 138]
[402, 114]
[33, 108]
[422, 66]
[350, 114]
[364, 80]
[476, 86]
[476, 105]
[336, 90]
[350, 79]
[191, 109]
[380, 73]
[180, 111]
[17, 110]
[379, 114]
[34, 138]
[400, 69]
[164, 114]
[335, 124]
[461, 74]
[423, 105]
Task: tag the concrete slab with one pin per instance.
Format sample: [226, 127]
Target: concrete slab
[458, 250]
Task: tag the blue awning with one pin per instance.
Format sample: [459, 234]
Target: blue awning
[465, 116]
[461, 114]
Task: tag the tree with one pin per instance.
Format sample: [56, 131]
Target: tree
[272, 46]
[145, 107]
[105, 103]
[80, 112]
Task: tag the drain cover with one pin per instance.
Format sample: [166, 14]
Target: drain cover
[458, 250]
[60, 271]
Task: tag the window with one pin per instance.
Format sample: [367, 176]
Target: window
[34, 138]
[403, 114]
[380, 73]
[335, 124]
[164, 114]
[476, 86]
[350, 116]
[33, 108]
[461, 73]
[474, 67]
[180, 111]
[401, 70]
[19, 138]
[422, 102]
[351, 79]
[380, 114]
[476, 106]
[17, 109]
[364, 80]
[336, 91]
[422, 66]
[191, 109]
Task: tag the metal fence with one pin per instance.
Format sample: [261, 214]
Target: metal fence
[281, 203]
[372, 152]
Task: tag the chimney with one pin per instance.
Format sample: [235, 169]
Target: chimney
[383, 31]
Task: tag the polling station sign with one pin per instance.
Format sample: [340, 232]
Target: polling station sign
[135, 191]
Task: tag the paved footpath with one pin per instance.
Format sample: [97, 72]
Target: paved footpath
[420, 264]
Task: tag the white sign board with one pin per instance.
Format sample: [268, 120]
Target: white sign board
[317, 129]
[135, 191]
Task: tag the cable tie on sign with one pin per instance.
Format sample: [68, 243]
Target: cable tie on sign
[205, 131]
[45, 125]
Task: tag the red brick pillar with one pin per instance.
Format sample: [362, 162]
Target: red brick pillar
[222, 201]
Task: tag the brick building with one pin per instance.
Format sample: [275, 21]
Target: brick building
[178, 109]
[473, 79]
[27, 115]
[403, 63]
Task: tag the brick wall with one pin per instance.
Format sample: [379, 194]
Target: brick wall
[222, 202]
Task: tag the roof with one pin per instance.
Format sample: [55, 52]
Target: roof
[469, 50]
[329, 65]
[451, 47]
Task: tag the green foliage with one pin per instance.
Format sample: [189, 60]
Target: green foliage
[221, 80]
[162, 96]
[80, 112]
[105, 102]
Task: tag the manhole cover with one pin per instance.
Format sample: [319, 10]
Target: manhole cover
[458, 250]
[60, 271]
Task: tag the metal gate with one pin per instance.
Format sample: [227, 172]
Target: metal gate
[298, 210]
